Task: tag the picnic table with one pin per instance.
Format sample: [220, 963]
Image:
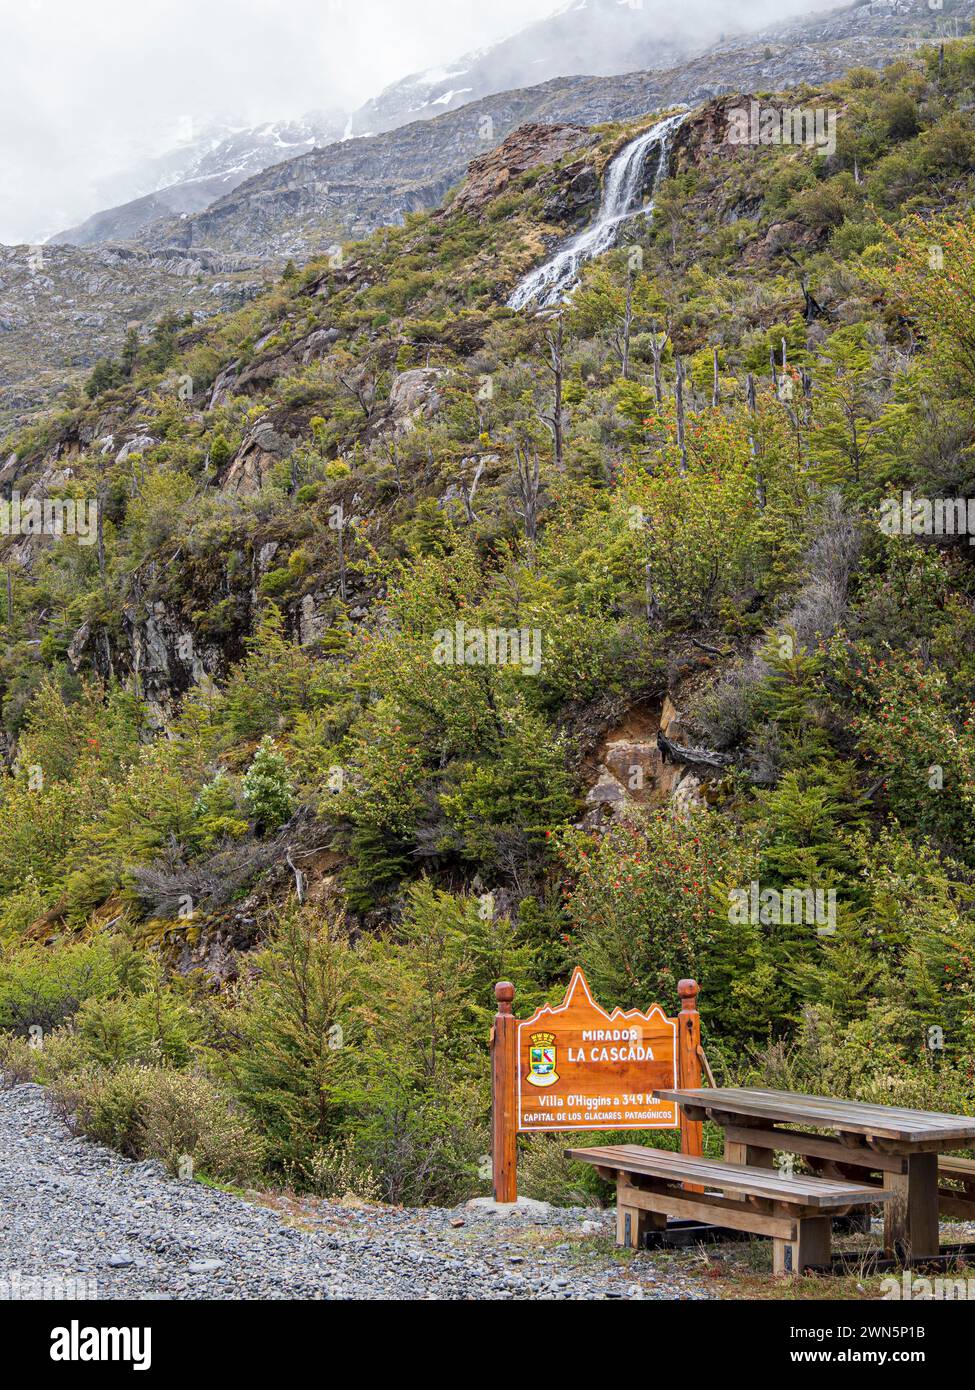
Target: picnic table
[902, 1146]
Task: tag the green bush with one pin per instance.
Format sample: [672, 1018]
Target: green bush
[56, 1057]
[294, 1023]
[154, 1112]
[156, 1027]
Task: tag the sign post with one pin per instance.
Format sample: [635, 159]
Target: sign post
[504, 1129]
[575, 1066]
[689, 1061]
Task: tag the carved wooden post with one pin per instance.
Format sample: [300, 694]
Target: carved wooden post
[504, 1120]
[689, 1062]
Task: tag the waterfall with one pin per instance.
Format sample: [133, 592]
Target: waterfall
[551, 282]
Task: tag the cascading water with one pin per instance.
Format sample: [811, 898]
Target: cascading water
[550, 283]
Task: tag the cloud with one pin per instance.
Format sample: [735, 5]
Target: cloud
[93, 89]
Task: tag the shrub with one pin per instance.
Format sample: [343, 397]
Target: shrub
[647, 901]
[152, 1027]
[425, 1148]
[217, 812]
[267, 787]
[861, 1060]
[17, 1063]
[186, 1114]
[153, 1112]
[545, 1173]
[332, 1170]
[58, 1056]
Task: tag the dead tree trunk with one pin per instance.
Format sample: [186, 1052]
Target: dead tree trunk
[527, 485]
[100, 530]
[651, 596]
[681, 420]
[658, 343]
[627, 326]
[337, 522]
[556, 365]
[468, 492]
[753, 408]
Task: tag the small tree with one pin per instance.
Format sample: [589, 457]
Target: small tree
[267, 787]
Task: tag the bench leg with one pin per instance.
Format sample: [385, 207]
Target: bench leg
[632, 1222]
[811, 1247]
[856, 1223]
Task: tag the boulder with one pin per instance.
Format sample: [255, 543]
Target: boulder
[261, 450]
[414, 395]
[138, 445]
[534, 143]
[221, 389]
[318, 343]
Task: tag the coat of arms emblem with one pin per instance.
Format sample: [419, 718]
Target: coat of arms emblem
[542, 1060]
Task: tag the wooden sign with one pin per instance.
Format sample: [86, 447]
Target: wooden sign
[580, 1067]
[575, 1066]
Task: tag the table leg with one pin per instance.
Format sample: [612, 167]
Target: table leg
[748, 1154]
[911, 1215]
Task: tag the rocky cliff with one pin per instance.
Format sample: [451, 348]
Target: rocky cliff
[63, 307]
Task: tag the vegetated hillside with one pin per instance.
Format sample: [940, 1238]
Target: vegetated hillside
[264, 849]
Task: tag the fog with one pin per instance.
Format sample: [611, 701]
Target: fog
[92, 90]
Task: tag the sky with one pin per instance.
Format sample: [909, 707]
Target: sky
[92, 89]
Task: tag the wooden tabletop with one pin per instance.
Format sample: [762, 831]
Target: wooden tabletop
[825, 1112]
[755, 1182]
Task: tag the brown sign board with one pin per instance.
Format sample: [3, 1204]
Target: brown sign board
[580, 1067]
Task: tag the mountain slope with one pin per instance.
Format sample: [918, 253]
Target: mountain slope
[210, 168]
[298, 208]
[587, 37]
[584, 36]
[593, 37]
[63, 307]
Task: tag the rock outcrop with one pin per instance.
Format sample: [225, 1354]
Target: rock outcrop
[262, 449]
[631, 769]
[62, 308]
[525, 148]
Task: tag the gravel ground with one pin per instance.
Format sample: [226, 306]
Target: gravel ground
[77, 1220]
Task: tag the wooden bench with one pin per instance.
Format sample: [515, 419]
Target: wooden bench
[952, 1201]
[652, 1184]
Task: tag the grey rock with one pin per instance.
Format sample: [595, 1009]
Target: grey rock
[66, 1198]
